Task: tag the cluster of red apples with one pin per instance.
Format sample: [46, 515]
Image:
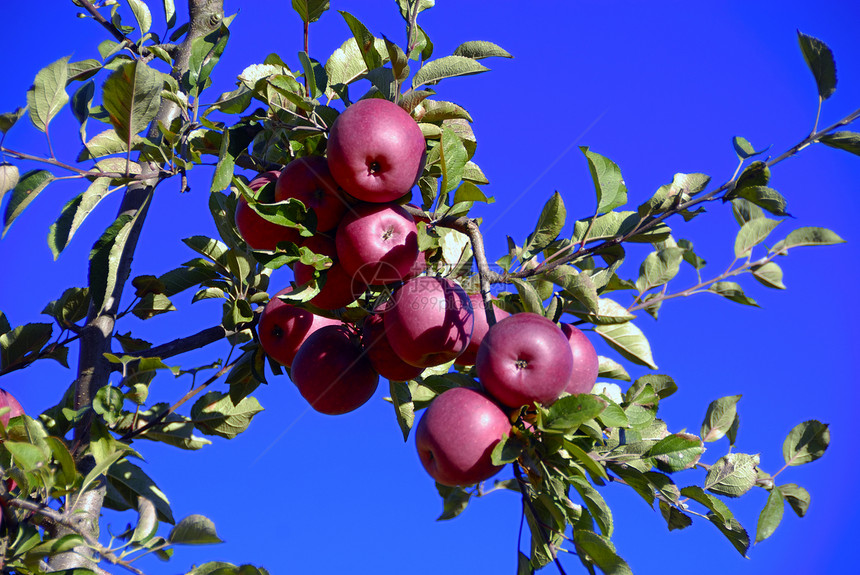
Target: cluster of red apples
[375, 155]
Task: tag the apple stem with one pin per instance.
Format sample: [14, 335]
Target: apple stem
[307, 29]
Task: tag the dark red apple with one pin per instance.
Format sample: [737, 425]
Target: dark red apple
[383, 358]
[376, 151]
[309, 180]
[377, 243]
[429, 321]
[340, 288]
[284, 327]
[15, 409]
[586, 365]
[332, 372]
[456, 436]
[258, 232]
[469, 356]
[524, 359]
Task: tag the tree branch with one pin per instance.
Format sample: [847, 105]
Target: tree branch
[114, 31]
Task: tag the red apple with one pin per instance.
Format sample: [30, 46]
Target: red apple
[469, 356]
[15, 409]
[376, 151]
[284, 327]
[309, 180]
[383, 358]
[524, 359]
[377, 243]
[429, 321]
[258, 232]
[456, 436]
[585, 361]
[340, 288]
[332, 372]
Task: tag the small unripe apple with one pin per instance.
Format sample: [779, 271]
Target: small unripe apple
[586, 364]
[258, 232]
[429, 321]
[15, 409]
[284, 327]
[309, 180]
[340, 288]
[456, 436]
[524, 359]
[382, 356]
[376, 151]
[332, 372]
[469, 356]
[377, 243]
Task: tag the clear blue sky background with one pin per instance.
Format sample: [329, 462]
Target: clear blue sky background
[659, 87]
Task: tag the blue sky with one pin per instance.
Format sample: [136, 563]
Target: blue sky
[658, 87]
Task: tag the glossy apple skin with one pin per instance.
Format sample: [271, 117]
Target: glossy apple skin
[456, 436]
[382, 356]
[469, 356]
[586, 365]
[376, 151]
[258, 232]
[340, 288]
[524, 359]
[284, 327]
[15, 409]
[377, 243]
[309, 180]
[332, 372]
[429, 321]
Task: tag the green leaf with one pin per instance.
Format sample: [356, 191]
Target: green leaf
[130, 482]
[719, 418]
[752, 234]
[346, 65]
[571, 411]
[48, 95]
[16, 345]
[152, 305]
[808, 237]
[611, 369]
[27, 457]
[141, 14]
[629, 341]
[71, 307]
[310, 10]
[478, 49]
[820, 60]
[469, 192]
[455, 500]
[732, 475]
[608, 312]
[718, 509]
[771, 515]
[105, 257]
[169, 13]
[594, 468]
[529, 296]
[608, 183]
[507, 450]
[215, 414]
[766, 198]
[9, 119]
[600, 551]
[615, 224]
[406, 6]
[404, 408]
[744, 149]
[132, 96]
[28, 187]
[745, 210]
[596, 505]
[735, 533]
[756, 174]
[733, 292]
[74, 213]
[452, 161]
[365, 41]
[548, 227]
[581, 287]
[659, 267]
[848, 141]
[797, 497]
[806, 442]
[8, 179]
[769, 274]
[446, 67]
[194, 530]
[677, 452]
[675, 519]
[315, 74]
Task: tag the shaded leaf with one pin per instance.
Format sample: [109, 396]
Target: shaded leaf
[769, 274]
[28, 187]
[797, 497]
[455, 500]
[808, 237]
[771, 515]
[48, 95]
[17, 344]
[105, 257]
[194, 530]
[719, 418]
[600, 551]
[820, 60]
[733, 292]
[215, 414]
[310, 10]
[548, 227]
[848, 141]
[806, 442]
[130, 482]
[131, 96]
[74, 213]
[732, 475]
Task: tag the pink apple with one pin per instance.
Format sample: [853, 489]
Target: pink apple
[340, 288]
[524, 359]
[309, 180]
[381, 355]
[469, 356]
[258, 232]
[456, 436]
[332, 372]
[429, 321]
[376, 151]
[284, 327]
[15, 409]
[586, 365]
[377, 243]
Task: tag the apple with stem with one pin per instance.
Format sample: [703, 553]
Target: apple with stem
[469, 356]
[524, 359]
[283, 328]
[332, 372]
[309, 180]
[586, 364]
[377, 243]
[429, 321]
[376, 151]
[456, 436]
